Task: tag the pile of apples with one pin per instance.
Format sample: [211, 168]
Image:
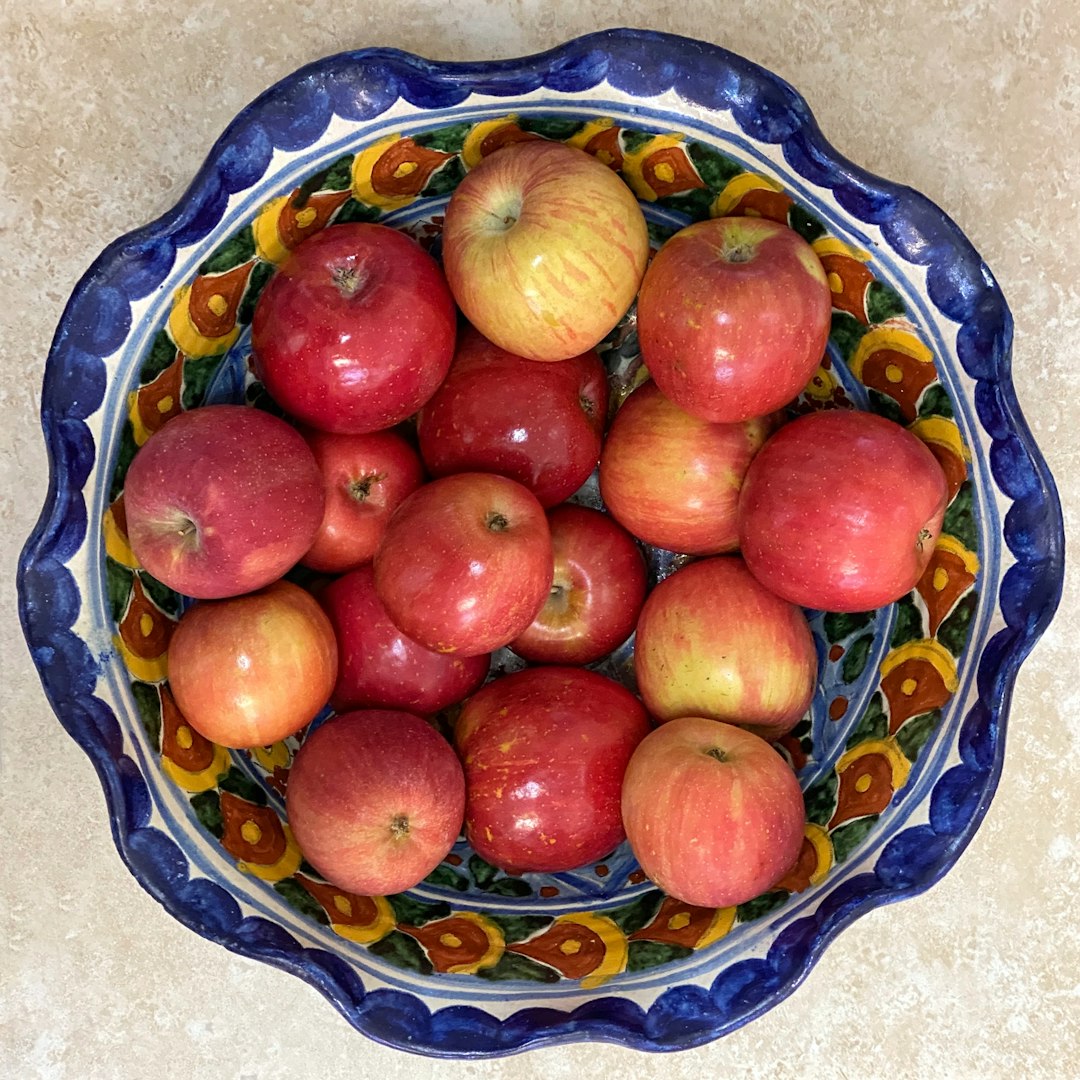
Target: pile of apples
[424, 475]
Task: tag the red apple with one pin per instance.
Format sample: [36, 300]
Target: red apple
[382, 668]
[222, 500]
[733, 317]
[465, 563]
[251, 670]
[713, 813]
[365, 478]
[711, 641]
[355, 330]
[544, 248]
[596, 594]
[375, 800]
[673, 479]
[545, 750]
[539, 424]
[841, 511]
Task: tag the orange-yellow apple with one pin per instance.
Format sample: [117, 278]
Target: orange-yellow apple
[712, 641]
[713, 813]
[673, 479]
[544, 248]
[250, 670]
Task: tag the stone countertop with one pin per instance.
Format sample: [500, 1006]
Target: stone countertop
[106, 109]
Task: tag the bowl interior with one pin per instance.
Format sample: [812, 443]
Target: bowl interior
[882, 721]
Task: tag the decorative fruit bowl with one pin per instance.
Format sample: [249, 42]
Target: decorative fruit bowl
[901, 751]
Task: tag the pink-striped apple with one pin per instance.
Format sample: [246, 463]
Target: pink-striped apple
[733, 317]
[544, 248]
[465, 563]
[711, 641]
[375, 800]
[379, 666]
[365, 477]
[596, 594]
[539, 424]
[545, 750]
[250, 670]
[673, 479]
[355, 330]
[713, 813]
[222, 500]
[841, 511]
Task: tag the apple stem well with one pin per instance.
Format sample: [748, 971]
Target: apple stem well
[399, 826]
[497, 522]
[716, 753]
[348, 279]
[360, 489]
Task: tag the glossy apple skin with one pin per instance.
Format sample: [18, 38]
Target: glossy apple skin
[251, 670]
[596, 594]
[539, 424]
[365, 478]
[673, 479]
[711, 641]
[544, 751]
[713, 813]
[222, 500]
[841, 511]
[544, 248]
[733, 317]
[355, 330]
[375, 800]
[465, 563]
[379, 666]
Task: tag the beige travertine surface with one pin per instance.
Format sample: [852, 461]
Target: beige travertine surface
[106, 108]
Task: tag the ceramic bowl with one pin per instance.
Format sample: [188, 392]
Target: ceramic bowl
[901, 752]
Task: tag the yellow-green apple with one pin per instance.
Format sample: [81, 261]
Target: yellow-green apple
[673, 479]
[544, 248]
[379, 666]
[375, 800]
[712, 641]
[713, 813]
[596, 593]
[733, 317]
[545, 750]
[539, 424]
[222, 500]
[365, 477]
[250, 670]
[355, 330]
[465, 563]
[841, 511]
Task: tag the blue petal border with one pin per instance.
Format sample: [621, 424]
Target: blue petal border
[362, 85]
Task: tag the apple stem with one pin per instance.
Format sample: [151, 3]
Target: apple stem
[399, 827]
[361, 489]
[348, 280]
[496, 522]
[717, 753]
[737, 253]
[920, 540]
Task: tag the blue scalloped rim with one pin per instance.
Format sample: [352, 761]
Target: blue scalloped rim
[362, 85]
